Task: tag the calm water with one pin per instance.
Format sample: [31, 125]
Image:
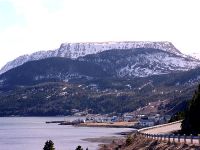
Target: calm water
[30, 133]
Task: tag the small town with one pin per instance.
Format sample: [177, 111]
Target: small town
[130, 120]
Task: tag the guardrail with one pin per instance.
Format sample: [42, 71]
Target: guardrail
[171, 138]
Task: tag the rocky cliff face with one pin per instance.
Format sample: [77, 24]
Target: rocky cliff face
[75, 50]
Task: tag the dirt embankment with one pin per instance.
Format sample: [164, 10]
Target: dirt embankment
[137, 142]
[109, 125]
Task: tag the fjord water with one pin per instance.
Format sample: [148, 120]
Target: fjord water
[30, 133]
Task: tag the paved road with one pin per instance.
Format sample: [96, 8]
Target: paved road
[170, 128]
[164, 129]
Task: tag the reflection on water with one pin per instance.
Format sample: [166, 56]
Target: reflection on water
[22, 133]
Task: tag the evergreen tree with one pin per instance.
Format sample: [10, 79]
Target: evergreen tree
[191, 123]
[79, 148]
[49, 145]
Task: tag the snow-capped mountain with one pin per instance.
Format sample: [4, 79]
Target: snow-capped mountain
[141, 62]
[111, 64]
[25, 58]
[159, 63]
[75, 50]
[131, 77]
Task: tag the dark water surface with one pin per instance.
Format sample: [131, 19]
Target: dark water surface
[30, 133]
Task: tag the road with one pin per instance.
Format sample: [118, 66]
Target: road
[169, 128]
[164, 129]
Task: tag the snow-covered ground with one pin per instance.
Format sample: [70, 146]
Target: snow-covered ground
[155, 64]
[75, 50]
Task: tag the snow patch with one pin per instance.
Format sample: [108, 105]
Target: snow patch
[75, 50]
[156, 64]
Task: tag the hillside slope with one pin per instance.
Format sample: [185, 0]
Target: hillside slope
[75, 50]
[131, 63]
[98, 82]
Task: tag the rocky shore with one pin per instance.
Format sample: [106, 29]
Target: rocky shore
[137, 142]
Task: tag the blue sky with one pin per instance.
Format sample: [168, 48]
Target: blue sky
[8, 16]
[27, 26]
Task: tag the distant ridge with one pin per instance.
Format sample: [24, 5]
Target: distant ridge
[75, 50]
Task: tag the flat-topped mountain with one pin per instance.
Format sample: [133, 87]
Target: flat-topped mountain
[101, 80]
[75, 50]
[131, 63]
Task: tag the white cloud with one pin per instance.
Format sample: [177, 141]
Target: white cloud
[100, 20]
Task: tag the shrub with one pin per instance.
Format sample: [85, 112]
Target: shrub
[49, 145]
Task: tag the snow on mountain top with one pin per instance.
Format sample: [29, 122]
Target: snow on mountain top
[101, 46]
[75, 50]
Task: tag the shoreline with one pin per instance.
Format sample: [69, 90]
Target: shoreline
[109, 125]
[102, 140]
[107, 140]
[137, 141]
[62, 136]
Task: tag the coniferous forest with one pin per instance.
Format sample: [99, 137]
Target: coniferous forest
[191, 123]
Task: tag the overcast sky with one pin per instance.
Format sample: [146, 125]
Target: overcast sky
[27, 26]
